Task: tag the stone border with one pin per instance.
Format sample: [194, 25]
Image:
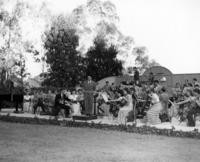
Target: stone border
[126, 128]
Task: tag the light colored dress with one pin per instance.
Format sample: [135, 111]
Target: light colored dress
[27, 103]
[124, 111]
[76, 108]
[154, 111]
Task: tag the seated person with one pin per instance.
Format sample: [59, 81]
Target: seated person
[102, 105]
[193, 107]
[50, 98]
[61, 103]
[80, 99]
[115, 106]
[75, 106]
[126, 108]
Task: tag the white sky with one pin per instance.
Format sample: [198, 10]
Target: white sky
[170, 29]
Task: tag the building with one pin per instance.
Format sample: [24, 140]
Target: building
[160, 73]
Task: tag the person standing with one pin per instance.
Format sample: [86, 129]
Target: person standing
[89, 87]
[164, 99]
[154, 110]
[27, 102]
[136, 76]
[151, 78]
[39, 102]
[106, 87]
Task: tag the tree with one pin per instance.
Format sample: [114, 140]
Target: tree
[142, 60]
[21, 71]
[105, 22]
[102, 60]
[11, 44]
[66, 66]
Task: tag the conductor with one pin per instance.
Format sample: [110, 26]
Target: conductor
[89, 87]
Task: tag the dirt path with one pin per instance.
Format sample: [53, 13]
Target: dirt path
[31, 143]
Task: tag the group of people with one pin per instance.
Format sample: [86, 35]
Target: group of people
[73, 102]
[187, 101]
[51, 103]
[152, 101]
[126, 101]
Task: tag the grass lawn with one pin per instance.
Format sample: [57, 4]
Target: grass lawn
[40, 143]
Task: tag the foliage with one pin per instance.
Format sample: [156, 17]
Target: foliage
[21, 71]
[126, 128]
[102, 60]
[66, 66]
[12, 44]
[98, 17]
[142, 60]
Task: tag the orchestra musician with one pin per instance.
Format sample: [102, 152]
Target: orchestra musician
[75, 105]
[61, 101]
[39, 102]
[194, 106]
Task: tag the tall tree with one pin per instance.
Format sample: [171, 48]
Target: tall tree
[11, 43]
[142, 60]
[66, 66]
[20, 70]
[102, 60]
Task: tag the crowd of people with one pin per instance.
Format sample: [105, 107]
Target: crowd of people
[152, 101]
[124, 102]
[52, 102]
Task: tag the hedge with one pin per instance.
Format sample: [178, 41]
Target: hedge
[125, 128]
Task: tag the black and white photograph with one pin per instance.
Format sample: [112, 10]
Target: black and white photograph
[99, 80]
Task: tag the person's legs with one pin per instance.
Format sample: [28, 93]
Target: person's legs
[16, 106]
[66, 111]
[43, 107]
[55, 110]
[35, 106]
[82, 106]
[191, 119]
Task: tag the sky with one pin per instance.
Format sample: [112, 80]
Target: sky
[170, 29]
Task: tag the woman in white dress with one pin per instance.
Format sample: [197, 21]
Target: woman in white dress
[76, 108]
[27, 102]
[125, 110]
[154, 111]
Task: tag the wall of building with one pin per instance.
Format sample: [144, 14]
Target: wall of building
[159, 72]
[181, 78]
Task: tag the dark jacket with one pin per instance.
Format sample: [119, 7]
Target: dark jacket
[59, 99]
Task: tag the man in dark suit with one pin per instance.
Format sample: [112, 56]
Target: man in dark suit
[89, 87]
